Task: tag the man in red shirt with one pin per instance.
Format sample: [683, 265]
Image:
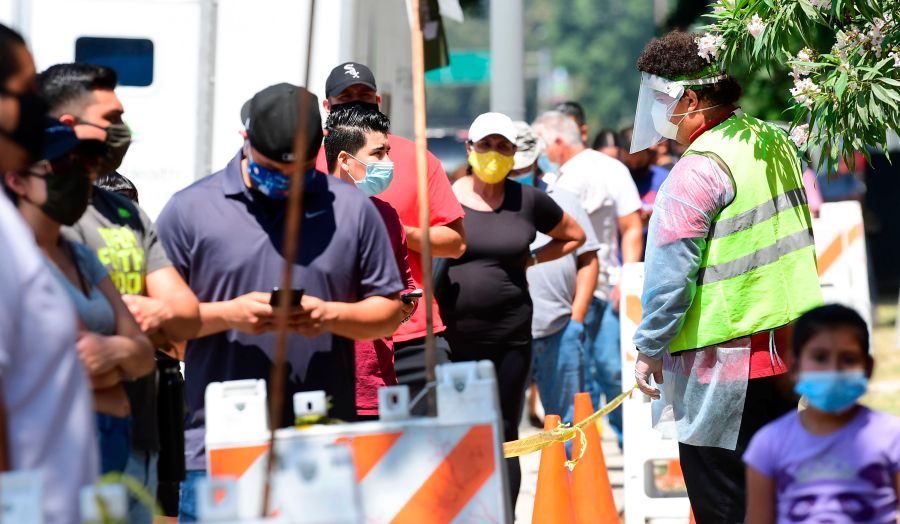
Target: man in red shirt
[353, 84]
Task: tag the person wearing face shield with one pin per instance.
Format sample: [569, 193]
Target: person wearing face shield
[730, 265]
[485, 298]
[357, 149]
[46, 407]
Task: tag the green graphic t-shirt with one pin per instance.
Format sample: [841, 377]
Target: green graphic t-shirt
[124, 239]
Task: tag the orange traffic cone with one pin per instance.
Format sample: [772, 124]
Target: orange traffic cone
[692, 520]
[553, 498]
[591, 490]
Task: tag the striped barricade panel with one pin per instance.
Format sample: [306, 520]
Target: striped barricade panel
[841, 256]
[414, 470]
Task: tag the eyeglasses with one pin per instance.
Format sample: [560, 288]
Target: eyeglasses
[504, 147]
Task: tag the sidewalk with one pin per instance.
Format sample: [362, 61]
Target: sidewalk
[530, 464]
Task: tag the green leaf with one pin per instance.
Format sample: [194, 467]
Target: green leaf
[863, 110]
[808, 9]
[758, 45]
[889, 81]
[841, 85]
[875, 109]
[883, 95]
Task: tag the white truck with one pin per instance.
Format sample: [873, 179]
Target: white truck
[186, 67]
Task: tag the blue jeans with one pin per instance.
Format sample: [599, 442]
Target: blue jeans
[142, 467]
[114, 436]
[603, 359]
[187, 504]
[558, 369]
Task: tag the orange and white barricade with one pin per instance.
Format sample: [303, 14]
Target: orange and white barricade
[654, 486]
[444, 469]
[841, 255]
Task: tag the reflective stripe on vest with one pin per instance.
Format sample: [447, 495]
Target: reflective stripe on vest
[760, 213]
[765, 256]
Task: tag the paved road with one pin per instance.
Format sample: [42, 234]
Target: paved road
[531, 463]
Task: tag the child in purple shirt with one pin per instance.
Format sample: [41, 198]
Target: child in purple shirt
[836, 461]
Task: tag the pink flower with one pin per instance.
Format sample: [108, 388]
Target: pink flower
[805, 91]
[800, 135]
[708, 46]
[756, 26]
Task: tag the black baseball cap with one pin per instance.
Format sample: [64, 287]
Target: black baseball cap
[270, 118]
[346, 75]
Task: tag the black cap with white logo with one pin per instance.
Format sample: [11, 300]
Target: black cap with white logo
[346, 75]
[270, 118]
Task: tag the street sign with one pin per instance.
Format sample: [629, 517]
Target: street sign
[466, 67]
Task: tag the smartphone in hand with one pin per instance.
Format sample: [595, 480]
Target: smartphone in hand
[412, 296]
[295, 298]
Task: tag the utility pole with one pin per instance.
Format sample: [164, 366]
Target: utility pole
[508, 58]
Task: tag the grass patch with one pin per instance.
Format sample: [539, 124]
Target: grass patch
[884, 390]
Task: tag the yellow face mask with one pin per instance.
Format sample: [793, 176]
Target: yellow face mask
[490, 167]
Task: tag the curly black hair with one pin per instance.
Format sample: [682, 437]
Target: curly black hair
[676, 54]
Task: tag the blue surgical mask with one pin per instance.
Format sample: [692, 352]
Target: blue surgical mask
[546, 165]
[527, 180]
[273, 184]
[832, 391]
[378, 176]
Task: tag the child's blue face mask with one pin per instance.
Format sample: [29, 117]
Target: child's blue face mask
[832, 391]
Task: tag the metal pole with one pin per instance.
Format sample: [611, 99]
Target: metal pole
[508, 58]
[291, 245]
[660, 12]
[418, 84]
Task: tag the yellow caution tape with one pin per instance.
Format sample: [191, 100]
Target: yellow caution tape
[562, 432]
[133, 485]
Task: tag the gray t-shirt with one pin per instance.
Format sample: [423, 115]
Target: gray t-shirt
[49, 407]
[125, 241]
[94, 310]
[552, 284]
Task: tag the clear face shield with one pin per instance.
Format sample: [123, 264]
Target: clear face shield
[656, 105]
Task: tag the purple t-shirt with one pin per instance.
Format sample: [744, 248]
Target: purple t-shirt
[847, 476]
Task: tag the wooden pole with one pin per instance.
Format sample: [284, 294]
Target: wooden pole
[291, 245]
[418, 85]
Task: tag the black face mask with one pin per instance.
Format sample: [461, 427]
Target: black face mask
[29, 134]
[68, 194]
[365, 106]
[118, 139]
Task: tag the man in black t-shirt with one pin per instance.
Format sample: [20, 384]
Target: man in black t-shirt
[124, 239]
